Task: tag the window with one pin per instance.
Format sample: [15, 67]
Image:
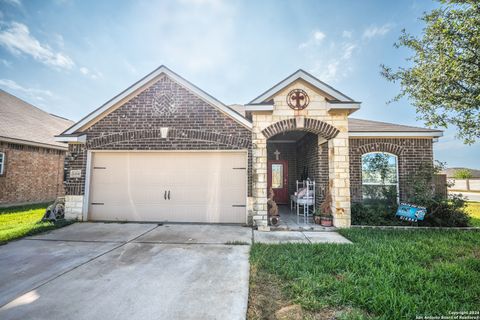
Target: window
[277, 176]
[2, 162]
[379, 176]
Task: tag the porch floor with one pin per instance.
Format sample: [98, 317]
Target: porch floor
[289, 220]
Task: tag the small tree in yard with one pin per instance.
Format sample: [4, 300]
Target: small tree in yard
[441, 212]
[443, 80]
[464, 174]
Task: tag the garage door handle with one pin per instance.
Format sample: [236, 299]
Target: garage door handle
[165, 195]
[168, 194]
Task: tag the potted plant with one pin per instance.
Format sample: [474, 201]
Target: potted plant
[326, 220]
[316, 216]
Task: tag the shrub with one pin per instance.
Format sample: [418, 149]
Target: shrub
[449, 212]
[441, 212]
[374, 214]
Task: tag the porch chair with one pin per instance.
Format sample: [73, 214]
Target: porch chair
[305, 198]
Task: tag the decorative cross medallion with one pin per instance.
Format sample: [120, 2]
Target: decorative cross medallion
[277, 154]
[298, 99]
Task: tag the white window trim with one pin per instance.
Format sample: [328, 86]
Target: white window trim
[379, 184]
[2, 163]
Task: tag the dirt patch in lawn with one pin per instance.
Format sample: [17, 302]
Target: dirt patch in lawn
[265, 295]
[267, 300]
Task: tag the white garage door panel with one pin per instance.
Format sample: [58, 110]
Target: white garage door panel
[204, 186]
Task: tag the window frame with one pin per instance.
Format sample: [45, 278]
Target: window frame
[2, 163]
[397, 184]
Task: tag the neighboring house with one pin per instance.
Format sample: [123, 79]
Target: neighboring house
[31, 161]
[164, 150]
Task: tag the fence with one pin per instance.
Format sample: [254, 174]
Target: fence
[440, 184]
[465, 184]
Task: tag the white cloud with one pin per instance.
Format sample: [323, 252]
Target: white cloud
[38, 94]
[329, 71]
[6, 63]
[318, 35]
[315, 39]
[17, 3]
[212, 3]
[84, 70]
[375, 31]
[334, 61]
[18, 40]
[347, 34]
[203, 37]
[131, 68]
[92, 74]
[348, 49]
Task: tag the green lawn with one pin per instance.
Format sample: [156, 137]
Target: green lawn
[18, 222]
[473, 209]
[385, 274]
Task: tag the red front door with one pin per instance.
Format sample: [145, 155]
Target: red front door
[278, 179]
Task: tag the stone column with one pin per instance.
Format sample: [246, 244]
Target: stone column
[259, 178]
[339, 179]
[74, 207]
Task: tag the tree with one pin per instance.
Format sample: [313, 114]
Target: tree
[443, 79]
[464, 174]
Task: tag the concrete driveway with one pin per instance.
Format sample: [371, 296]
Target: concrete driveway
[127, 271]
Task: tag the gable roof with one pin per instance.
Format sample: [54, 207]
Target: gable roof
[360, 127]
[103, 110]
[23, 123]
[301, 74]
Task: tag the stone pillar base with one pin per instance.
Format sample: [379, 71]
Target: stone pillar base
[342, 221]
[263, 228]
[74, 208]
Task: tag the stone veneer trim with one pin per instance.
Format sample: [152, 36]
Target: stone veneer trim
[321, 128]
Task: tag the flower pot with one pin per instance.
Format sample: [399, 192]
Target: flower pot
[316, 219]
[326, 221]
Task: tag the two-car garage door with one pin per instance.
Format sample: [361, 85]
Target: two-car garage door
[168, 186]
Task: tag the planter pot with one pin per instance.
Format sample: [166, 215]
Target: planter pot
[317, 219]
[326, 222]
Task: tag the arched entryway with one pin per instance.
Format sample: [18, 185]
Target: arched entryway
[296, 149]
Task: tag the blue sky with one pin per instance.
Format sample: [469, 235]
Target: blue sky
[69, 57]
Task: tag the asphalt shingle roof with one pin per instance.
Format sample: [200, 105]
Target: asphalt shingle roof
[20, 120]
[360, 125]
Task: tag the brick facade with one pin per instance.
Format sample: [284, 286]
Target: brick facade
[193, 125]
[411, 153]
[31, 174]
[326, 152]
[313, 157]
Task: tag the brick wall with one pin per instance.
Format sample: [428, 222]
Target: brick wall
[193, 125]
[305, 154]
[315, 158]
[31, 174]
[411, 153]
[75, 159]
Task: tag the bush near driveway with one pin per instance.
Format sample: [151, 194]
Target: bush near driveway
[17, 222]
[386, 274]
